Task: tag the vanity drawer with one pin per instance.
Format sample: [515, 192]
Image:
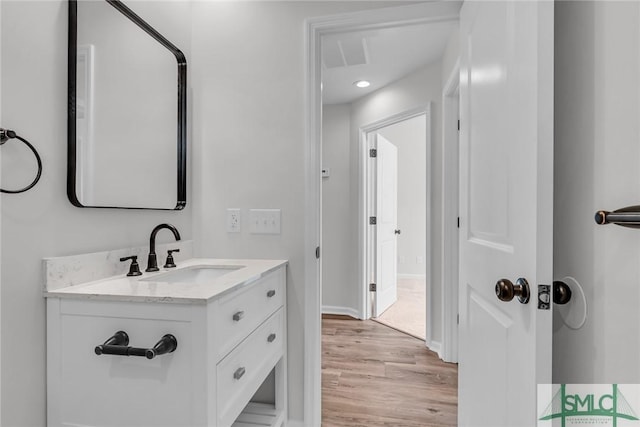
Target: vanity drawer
[109, 390]
[241, 372]
[238, 314]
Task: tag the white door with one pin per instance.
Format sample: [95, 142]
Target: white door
[387, 224]
[506, 207]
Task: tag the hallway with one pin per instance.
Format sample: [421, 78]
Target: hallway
[375, 376]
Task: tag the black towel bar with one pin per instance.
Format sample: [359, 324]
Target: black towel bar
[625, 217]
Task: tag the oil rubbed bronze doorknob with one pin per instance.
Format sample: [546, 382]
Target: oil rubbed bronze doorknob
[505, 290]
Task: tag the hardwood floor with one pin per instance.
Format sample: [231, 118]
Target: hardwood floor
[374, 376]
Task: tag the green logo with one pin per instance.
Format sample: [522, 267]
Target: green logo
[589, 408]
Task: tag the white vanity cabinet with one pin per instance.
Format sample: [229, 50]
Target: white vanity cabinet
[228, 343]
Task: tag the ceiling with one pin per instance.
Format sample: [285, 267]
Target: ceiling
[380, 56]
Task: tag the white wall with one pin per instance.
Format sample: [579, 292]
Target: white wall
[42, 222]
[451, 53]
[417, 89]
[410, 138]
[249, 70]
[339, 249]
[597, 109]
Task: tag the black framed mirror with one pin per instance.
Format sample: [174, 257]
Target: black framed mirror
[127, 111]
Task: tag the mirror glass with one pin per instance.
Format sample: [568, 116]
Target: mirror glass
[127, 111]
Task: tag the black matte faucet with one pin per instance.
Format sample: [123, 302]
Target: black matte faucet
[152, 262]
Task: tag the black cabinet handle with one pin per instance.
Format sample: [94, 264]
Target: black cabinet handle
[238, 373]
[271, 338]
[238, 316]
[117, 345]
[271, 293]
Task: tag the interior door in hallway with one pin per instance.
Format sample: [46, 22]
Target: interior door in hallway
[506, 206]
[386, 224]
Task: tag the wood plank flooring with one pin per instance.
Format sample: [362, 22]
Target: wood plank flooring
[375, 376]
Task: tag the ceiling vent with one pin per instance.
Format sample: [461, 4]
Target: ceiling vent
[345, 53]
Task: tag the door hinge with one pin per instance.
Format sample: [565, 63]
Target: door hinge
[373, 287]
[373, 220]
[373, 152]
[317, 252]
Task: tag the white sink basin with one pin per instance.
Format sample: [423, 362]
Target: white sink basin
[199, 274]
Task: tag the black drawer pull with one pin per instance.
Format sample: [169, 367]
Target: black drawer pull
[271, 338]
[238, 373]
[117, 345]
[271, 293]
[238, 316]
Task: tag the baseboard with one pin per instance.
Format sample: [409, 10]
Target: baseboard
[412, 276]
[436, 347]
[345, 311]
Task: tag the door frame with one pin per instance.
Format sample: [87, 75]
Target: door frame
[0, 174]
[450, 214]
[315, 28]
[365, 205]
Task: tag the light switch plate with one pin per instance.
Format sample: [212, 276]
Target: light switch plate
[264, 221]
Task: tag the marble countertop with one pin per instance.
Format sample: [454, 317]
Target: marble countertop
[146, 288]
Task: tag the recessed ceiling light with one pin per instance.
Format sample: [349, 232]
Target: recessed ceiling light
[362, 83]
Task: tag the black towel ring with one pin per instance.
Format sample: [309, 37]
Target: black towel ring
[5, 135]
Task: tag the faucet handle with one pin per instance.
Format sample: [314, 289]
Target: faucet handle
[134, 268]
[169, 263]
